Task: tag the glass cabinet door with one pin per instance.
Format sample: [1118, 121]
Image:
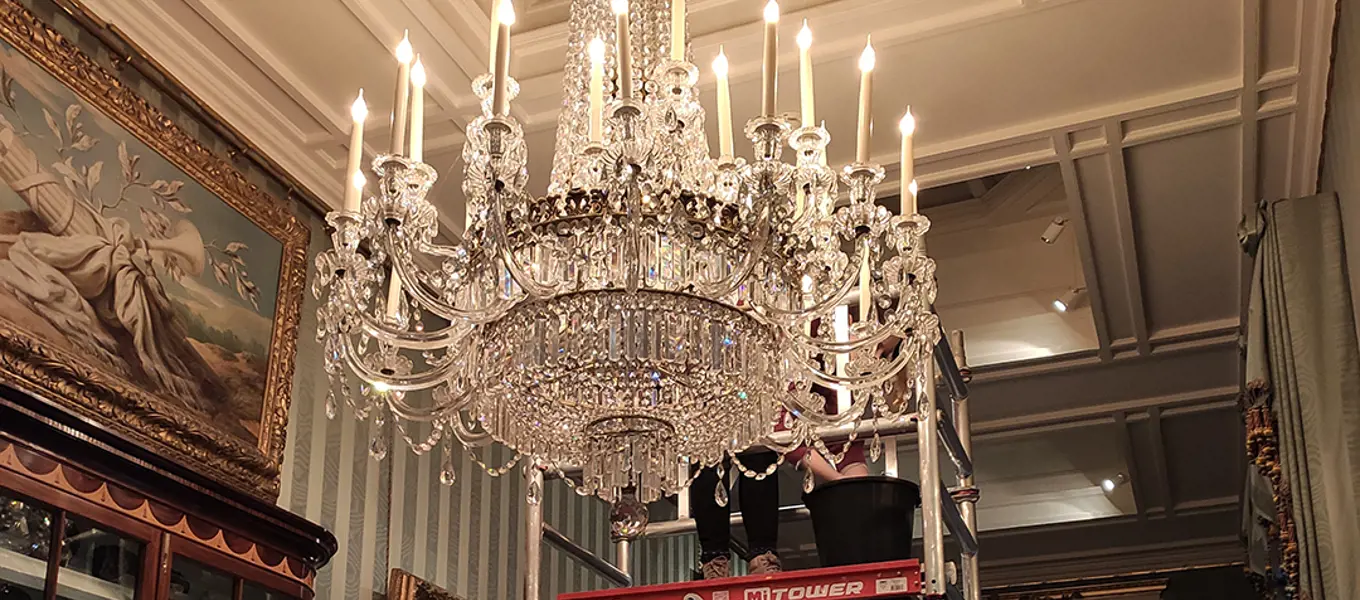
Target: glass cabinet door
[98, 563]
[192, 580]
[25, 546]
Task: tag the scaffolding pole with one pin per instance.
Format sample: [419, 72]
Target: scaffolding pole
[932, 522]
[533, 532]
[966, 494]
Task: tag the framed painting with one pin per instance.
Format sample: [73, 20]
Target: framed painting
[402, 585]
[144, 283]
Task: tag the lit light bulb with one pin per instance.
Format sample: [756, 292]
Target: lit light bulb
[506, 15]
[772, 12]
[720, 64]
[404, 51]
[358, 181]
[867, 58]
[1107, 485]
[804, 38]
[418, 73]
[908, 123]
[359, 110]
[912, 189]
[596, 50]
[620, 6]
[380, 387]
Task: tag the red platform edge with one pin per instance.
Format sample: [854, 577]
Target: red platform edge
[875, 580]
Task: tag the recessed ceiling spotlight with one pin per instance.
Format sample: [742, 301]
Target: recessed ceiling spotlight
[1055, 229]
[1072, 299]
[1109, 484]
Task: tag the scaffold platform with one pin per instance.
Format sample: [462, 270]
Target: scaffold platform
[898, 579]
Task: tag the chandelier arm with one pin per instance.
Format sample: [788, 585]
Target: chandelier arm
[400, 383]
[397, 402]
[854, 382]
[726, 286]
[412, 274]
[820, 419]
[893, 327]
[842, 289]
[412, 340]
[466, 436]
[522, 276]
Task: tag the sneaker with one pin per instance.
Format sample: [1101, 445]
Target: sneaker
[718, 568]
[765, 564]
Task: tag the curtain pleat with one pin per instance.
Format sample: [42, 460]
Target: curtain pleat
[1301, 319]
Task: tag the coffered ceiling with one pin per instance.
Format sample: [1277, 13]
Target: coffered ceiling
[1151, 126]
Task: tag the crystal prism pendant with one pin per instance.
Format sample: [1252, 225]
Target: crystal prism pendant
[720, 494]
[378, 448]
[808, 481]
[876, 448]
[535, 493]
[330, 405]
[447, 475]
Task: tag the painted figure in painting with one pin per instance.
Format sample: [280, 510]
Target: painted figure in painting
[137, 296]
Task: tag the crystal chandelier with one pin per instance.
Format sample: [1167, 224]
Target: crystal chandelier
[657, 308]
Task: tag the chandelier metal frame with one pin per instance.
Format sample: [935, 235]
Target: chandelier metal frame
[653, 312]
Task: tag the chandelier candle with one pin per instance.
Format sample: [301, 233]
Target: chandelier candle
[771, 63]
[403, 94]
[908, 161]
[417, 151]
[495, 18]
[500, 99]
[649, 314]
[725, 152]
[809, 114]
[596, 51]
[358, 112]
[625, 49]
[678, 30]
[866, 99]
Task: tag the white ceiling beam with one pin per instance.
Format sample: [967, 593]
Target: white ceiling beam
[1125, 442]
[1128, 244]
[1161, 473]
[1081, 228]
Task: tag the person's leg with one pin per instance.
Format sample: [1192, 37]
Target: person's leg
[853, 463]
[760, 513]
[712, 525]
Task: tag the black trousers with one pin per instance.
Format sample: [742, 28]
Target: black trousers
[759, 508]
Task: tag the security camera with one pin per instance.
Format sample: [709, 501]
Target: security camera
[1055, 229]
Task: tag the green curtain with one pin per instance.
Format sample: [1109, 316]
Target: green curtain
[1303, 362]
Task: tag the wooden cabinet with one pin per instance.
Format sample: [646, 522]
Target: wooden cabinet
[87, 516]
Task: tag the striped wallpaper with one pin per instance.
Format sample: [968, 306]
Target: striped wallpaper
[466, 538]
[1341, 138]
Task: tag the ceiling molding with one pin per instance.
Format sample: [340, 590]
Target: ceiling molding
[220, 88]
[1128, 245]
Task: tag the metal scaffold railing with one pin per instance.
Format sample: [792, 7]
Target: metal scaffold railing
[935, 425]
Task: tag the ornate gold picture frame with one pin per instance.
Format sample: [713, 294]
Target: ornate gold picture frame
[402, 585]
[145, 284]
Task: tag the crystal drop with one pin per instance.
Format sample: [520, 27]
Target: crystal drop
[876, 448]
[808, 481]
[330, 404]
[720, 494]
[378, 449]
[447, 475]
[582, 490]
[535, 493]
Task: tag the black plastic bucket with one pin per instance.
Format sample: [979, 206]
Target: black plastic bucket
[863, 519]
